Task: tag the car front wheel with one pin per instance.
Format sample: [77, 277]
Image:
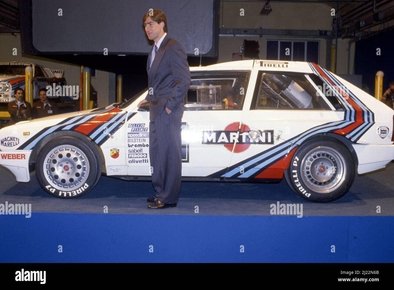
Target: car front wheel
[321, 171]
[68, 167]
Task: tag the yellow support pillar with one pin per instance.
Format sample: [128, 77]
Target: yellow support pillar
[86, 89]
[119, 88]
[333, 54]
[80, 87]
[379, 85]
[29, 84]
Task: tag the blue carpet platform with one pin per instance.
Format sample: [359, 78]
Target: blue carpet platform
[113, 238]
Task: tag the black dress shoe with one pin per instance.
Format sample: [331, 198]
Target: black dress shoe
[151, 199]
[157, 203]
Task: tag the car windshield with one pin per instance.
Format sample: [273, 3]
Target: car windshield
[12, 69]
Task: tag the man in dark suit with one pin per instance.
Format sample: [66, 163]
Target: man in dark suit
[168, 82]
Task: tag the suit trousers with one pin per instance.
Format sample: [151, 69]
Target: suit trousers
[165, 150]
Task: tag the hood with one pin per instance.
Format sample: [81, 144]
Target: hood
[26, 134]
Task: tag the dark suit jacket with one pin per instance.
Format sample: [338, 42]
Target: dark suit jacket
[43, 109]
[19, 114]
[168, 79]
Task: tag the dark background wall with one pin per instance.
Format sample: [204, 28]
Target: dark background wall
[367, 62]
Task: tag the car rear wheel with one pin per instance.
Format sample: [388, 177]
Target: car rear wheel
[321, 171]
[68, 167]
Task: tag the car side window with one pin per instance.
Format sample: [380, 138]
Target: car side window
[286, 91]
[217, 91]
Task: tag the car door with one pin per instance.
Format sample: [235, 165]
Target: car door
[213, 111]
[212, 114]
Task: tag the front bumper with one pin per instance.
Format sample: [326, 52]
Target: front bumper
[17, 162]
[373, 157]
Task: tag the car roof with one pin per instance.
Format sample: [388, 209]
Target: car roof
[260, 64]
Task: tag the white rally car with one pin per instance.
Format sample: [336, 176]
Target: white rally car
[245, 120]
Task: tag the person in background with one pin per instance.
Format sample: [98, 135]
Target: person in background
[42, 107]
[19, 109]
[388, 96]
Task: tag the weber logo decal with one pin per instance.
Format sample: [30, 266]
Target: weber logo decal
[12, 156]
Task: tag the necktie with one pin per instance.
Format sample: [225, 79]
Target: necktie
[155, 49]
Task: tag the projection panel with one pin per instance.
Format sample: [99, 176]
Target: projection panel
[95, 26]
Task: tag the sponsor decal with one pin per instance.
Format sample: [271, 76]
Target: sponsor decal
[238, 138]
[13, 156]
[383, 131]
[273, 64]
[26, 133]
[296, 179]
[61, 193]
[114, 153]
[358, 118]
[138, 143]
[9, 141]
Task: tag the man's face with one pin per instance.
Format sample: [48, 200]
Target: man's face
[43, 96]
[19, 96]
[153, 29]
[392, 87]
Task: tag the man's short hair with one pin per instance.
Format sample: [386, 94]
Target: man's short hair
[42, 90]
[156, 15]
[19, 89]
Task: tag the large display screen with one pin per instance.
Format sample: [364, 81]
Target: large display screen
[115, 27]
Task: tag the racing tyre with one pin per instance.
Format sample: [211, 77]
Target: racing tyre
[321, 171]
[68, 167]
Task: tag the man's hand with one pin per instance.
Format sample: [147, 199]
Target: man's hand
[168, 111]
[143, 103]
[387, 92]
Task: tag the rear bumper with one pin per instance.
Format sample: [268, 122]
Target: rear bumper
[17, 162]
[373, 157]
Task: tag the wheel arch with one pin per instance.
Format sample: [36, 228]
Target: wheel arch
[338, 139]
[343, 158]
[72, 134]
